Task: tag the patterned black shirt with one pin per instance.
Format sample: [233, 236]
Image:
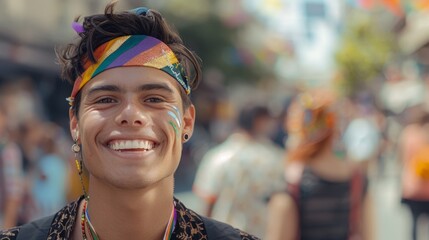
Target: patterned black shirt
[189, 225]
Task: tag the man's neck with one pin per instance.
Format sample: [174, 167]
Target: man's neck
[142, 214]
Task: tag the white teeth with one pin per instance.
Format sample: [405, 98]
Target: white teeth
[131, 144]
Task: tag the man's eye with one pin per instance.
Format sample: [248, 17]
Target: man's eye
[154, 100]
[106, 100]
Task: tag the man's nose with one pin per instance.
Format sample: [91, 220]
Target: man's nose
[132, 114]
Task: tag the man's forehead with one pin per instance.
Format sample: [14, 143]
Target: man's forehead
[121, 87]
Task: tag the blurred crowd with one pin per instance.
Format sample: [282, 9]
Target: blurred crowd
[377, 133]
[243, 154]
[35, 161]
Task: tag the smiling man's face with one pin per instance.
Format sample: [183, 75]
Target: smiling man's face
[130, 126]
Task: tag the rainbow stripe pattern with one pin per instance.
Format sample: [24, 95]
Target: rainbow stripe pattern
[132, 50]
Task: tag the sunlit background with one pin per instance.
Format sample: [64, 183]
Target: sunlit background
[259, 50]
[274, 45]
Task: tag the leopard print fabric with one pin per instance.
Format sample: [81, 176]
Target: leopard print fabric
[246, 236]
[189, 225]
[9, 234]
[62, 225]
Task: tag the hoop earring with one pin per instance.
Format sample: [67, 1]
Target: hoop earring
[185, 137]
[79, 165]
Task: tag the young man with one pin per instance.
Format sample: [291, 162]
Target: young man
[130, 114]
[236, 178]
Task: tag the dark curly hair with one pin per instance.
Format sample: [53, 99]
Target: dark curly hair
[101, 28]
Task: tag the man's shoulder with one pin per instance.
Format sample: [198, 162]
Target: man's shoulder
[211, 229]
[56, 226]
[247, 236]
[9, 234]
[220, 230]
[34, 230]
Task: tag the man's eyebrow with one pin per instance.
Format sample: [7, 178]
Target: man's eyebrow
[155, 86]
[110, 88]
[145, 87]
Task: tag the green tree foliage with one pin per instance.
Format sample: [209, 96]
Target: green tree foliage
[366, 47]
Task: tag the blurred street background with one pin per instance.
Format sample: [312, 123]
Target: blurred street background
[373, 53]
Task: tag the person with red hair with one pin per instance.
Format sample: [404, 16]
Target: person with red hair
[327, 196]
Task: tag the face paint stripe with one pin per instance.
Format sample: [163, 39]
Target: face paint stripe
[177, 110]
[175, 118]
[178, 114]
[175, 128]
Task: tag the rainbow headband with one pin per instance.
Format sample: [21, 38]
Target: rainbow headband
[133, 50]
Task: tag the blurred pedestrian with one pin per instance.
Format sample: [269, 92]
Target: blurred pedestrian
[130, 115]
[235, 178]
[49, 177]
[326, 197]
[11, 176]
[414, 154]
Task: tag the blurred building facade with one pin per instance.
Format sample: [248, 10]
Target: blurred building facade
[29, 33]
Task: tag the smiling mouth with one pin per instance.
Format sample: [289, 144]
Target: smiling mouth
[131, 145]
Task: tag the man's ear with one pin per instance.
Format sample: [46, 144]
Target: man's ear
[74, 129]
[189, 120]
